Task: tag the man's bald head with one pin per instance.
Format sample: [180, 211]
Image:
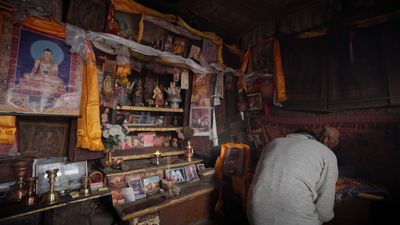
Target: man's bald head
[330, 137]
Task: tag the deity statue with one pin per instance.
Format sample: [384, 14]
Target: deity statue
[137, 98]
[158, 96]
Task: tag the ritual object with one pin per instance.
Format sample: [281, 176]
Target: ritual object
[51, 196]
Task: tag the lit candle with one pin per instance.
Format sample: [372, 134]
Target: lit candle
[158, 153]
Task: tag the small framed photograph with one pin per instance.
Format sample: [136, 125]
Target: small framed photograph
[201, 167]
[122, 195]
[179, 46]
[194, 52]
[137, 142]
[254, 124]
[176, 174]
[134, 119]
[255, 101]
[168, 43]
[137, 187]
[116, 181]
[191, 174]
[151, 184]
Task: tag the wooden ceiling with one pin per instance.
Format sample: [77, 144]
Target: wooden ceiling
[226, 17]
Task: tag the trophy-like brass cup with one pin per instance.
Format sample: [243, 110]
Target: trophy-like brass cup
[51, 196]
[18, 191]
[85, 190]
[31, 198]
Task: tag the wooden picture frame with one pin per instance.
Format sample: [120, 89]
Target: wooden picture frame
[43, 139]
[254, 124]
[191, 174]
[179, 46]
[176, 174]
[138, 188]
[255, 101]
[151, 184]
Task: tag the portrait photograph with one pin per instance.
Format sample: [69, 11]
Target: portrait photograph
[116, 181]
[254, 101]
[191, 174]
[137, 187]
[200, 166]
[200, 120]
[122, 195]
[176, 174]
[151, 184]
[46, 78]
[137, 142]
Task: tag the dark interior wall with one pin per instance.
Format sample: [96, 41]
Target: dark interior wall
[347, 68]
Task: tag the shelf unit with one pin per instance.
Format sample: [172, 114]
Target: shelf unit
[149, 109]
[154, 203]
[147, 152]
[12, 211]
[138, 128]
[147, 165]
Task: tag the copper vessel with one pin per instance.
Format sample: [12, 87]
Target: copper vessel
[189, 152]
[18, 191]
[51, 196]
[31, 197]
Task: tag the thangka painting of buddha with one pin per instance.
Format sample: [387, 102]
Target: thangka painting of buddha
[43, 76]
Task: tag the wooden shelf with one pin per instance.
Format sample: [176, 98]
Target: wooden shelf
[156, 202]
[145, 165]
[149, 109]
[148, 152]
[14, 210]
[152, 128]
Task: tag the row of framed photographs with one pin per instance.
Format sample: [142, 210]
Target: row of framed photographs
[141, 187]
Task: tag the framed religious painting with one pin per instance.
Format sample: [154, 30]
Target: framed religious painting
[43, 138]
[43, 77]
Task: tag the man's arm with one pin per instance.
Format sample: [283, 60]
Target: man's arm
[326, 189]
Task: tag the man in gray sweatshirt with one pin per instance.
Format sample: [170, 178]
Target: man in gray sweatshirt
[294, 183]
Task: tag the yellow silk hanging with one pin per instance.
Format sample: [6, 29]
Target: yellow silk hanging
[7, 129]
[279, 76]
[129, 6]
[89, 128]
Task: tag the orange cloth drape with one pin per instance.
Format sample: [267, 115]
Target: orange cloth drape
[279, 76]
[240, 183]
[129, 6]
[45, 26]
[7, 129]
[89, 128]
